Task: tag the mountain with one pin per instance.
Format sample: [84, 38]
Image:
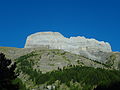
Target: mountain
[90, 48]
[33, 63]
[50, 61]
[112, 58]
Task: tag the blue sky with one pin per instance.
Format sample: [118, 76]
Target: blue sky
[99, 19]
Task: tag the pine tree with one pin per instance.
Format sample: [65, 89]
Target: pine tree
[7, 74]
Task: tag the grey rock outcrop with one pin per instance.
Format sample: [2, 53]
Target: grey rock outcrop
[90, 48]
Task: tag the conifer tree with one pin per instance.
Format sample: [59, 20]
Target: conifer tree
[7, 74]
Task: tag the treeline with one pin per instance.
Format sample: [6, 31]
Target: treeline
[88, 77]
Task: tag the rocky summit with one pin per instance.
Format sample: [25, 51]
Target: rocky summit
[90, 48]
[51, 61]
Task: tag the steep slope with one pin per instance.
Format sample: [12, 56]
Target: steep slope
[10, 52]
[111, 59]
[38, 71]
[36, 64]
[114, 60]
[77, 45]
[48, 60]
[13, 53]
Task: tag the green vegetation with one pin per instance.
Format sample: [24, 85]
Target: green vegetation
[19, 83]
[51, 64]
[88, 77]
[8, 77]
[110, 60]
[26, 66]
[75, 76]
[85, 78]
[119, 65]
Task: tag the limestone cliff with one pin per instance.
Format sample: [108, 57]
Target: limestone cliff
[90, 48]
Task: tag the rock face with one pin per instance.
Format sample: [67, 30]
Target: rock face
[90, 48]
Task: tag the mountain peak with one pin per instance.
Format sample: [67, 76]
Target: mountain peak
[77, 45]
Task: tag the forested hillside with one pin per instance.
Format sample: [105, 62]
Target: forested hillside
[77, 76]
[53, 69]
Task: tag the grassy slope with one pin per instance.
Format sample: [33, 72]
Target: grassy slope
[31, 73]
[31, 65]
[71, 77]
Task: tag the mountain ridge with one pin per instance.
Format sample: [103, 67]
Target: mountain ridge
[76, 45]
[36, 64]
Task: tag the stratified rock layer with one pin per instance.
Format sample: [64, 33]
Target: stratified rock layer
[78, 45]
